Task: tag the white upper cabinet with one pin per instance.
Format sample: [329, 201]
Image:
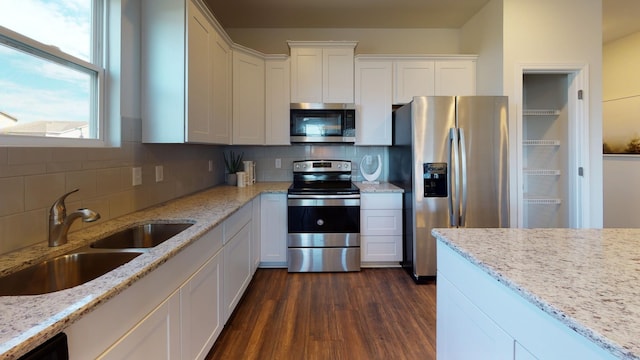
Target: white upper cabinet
[413, 78]
[277, 80]
[373, 95]
[248, 97]
[455, 77]
[222, 91]
[183, 99]
[322, 72]
[427, 76]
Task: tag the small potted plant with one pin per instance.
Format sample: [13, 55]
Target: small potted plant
[232, 163]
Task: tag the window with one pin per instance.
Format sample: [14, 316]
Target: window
[52, 63]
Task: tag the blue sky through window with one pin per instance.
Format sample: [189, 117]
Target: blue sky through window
[34, 89]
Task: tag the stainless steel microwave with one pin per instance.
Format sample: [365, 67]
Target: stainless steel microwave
[323, 123]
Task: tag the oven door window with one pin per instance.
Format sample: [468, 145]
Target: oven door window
[324, 219]
[316, 123]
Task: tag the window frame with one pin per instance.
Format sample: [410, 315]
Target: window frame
[107, 19]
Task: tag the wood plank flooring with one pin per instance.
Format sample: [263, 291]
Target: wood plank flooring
[371, 314]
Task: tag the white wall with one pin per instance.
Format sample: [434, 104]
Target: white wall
[370, 41]
[482, 35]
[559, 32]
[621, 79]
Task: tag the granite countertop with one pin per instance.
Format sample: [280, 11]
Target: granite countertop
[589, 279]
[382, 187]
[27, 321]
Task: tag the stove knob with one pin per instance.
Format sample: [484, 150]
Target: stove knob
[320, 222]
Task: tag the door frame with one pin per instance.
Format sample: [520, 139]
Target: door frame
[578, 112]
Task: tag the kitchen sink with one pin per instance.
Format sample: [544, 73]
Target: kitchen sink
[141, 236]
[62, 272]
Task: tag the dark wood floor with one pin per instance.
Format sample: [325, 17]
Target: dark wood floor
[372, 314]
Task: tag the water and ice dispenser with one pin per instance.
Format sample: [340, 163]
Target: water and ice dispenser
[435, 179]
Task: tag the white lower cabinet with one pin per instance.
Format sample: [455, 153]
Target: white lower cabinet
[157, 336]
[381, 227]
[481, 318]
[201, 317]
[237, 269]
[179, 309]
[273, 246]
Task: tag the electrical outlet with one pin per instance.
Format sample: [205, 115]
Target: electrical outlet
[278, 163]
[159, 173]
[210, 165]
[136, 175]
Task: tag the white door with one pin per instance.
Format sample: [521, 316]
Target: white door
[553, 153]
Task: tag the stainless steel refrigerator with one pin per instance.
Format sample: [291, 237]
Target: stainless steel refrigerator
[449, 154]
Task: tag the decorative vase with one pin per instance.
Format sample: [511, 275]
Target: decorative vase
[232, 179]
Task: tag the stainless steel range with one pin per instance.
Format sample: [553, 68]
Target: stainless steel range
[323, 218]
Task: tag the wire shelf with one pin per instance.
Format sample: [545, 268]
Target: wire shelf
[541, 172]
[533, 201]
[541, 142]
[541, 112]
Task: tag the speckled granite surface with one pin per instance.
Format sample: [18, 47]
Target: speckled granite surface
[383, 187]
[26, 321]
[588, 279]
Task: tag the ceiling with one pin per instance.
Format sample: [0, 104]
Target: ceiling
[619, 16]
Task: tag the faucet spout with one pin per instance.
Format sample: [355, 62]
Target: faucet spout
[60, 222]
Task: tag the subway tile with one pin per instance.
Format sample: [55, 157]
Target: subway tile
[84, 180]
[25, 229]
[109, 181]
[22, 169]
[42, 190]
[21, 156]
[11, 195]
[121, 203]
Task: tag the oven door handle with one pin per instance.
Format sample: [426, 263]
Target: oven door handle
[337, 196]
[316, 202]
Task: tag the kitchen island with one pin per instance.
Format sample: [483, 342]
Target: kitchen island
[538, 293]
[27, 321]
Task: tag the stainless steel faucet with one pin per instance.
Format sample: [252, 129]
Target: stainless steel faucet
[60, 222]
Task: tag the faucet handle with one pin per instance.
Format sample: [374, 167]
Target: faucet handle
[58, 205]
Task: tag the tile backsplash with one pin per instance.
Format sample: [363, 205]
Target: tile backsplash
[32, 178]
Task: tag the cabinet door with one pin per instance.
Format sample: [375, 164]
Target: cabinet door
[274, 230]
[248, 99]
[157, 336]
[455, 77]
[373, 91]
[221, 91]
[306, 75]
[256, 233]
[200, 45]
[413, 78]
[201, 309]
[237, 269]
[277, 80]
[337, 75]
[464, 331]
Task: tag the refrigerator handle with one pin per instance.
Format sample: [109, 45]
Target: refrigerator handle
[463, 172]
[454, 182]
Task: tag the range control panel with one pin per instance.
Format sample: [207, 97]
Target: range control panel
[435, 179]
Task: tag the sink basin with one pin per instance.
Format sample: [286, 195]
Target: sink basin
[62, 272]
[140, 236]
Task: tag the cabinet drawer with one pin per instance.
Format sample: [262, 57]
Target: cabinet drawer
[236, 221]
[381, 248]
[381, 201]
[381, 222]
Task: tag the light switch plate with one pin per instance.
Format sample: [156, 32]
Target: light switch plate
[278, 163]
[136, 175]
[159, 173]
